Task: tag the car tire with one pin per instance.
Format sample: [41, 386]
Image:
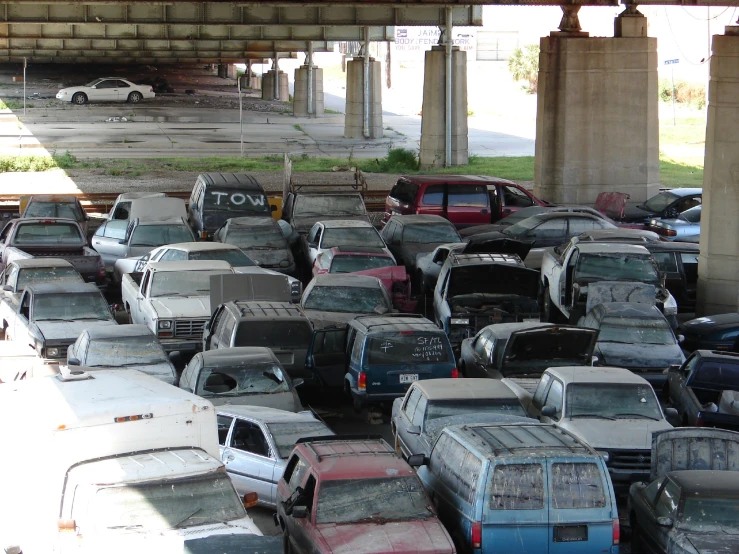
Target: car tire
[79, 98]
[356, 406]
[398, 450]
[135, 97]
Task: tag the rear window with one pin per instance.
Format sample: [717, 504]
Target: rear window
[517, 487]
[415, 348]
[54, 209]
[404, 192]
[278, 333]
[236, 201]
[577, 486]
[350, 264]
[430, 233]
[44, 233]
[717, 375]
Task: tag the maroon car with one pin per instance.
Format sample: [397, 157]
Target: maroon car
[342, 494]
[465, 200]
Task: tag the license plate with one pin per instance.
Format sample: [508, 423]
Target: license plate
[570, 533]
[408, 377]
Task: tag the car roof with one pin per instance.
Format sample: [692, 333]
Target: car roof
[462, 259]
[588, 374]
[345, 223]
[190, 265]
[455, 179]
[240, 181]
[152, 220]
[390, 323]
[713, 482]
[544, 216]
[504, 330]
[266, 415]
[115, 331]
[347, 458]
[629, 309]
[201, 246]
[269, 309]
[419, 219]
[63, 288]
[460, 389]
[239, 355]
[60, 198]
[611, 248]
[684, 191]
[346, 280]
[42, 262]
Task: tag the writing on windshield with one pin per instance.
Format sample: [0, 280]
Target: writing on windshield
[237, 201]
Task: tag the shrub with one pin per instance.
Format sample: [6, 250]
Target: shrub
[524, 66]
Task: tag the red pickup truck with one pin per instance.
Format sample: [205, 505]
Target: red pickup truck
[465, 200]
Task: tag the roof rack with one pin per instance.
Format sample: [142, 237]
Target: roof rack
[289, 185]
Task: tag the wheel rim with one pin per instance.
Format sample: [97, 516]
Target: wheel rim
[135, 97]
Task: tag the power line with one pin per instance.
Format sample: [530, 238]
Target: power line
[669, 24]
[715, 16]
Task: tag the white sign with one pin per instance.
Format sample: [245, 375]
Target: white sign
[419, 39]
[670, 62]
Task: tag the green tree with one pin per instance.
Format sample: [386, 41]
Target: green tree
[524, 66]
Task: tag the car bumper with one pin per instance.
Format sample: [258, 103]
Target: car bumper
[181, 345]
[364, 399]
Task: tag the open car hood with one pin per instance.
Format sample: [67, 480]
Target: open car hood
[495, 278]
[561, 344]
[612, 204]
[497, 246]
[688, 448]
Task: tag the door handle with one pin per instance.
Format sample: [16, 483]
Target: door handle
[229, 458]
[483, 211]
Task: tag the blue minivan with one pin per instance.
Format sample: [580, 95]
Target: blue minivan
[520, 488]
[376, 358]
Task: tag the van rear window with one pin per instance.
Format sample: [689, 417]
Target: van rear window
[577, 486]
[236, 201]
[517, 487]
[416, 348]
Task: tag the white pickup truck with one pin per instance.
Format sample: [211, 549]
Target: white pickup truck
[173, 300]
[565, 278]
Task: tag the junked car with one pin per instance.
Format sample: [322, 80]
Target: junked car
[122, 346]
[20, 274]
[256, 441]
[261, 239]
[409, 236]
[249, 375]
[106, 89]
[304, 205]
[340, 232]
[685, 226]
[713, 332]
[43, 206]
[666, 204]
[121, 208]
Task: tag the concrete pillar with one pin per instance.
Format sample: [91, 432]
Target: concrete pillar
[433, 123]
[718, 264]
[353, 121]
[597, 126]
[256, 82]
[223, 71]
[268, 87]
[300, 98]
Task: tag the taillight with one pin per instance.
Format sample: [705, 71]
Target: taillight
[362, 381]
[616, 532]
[455, 373]
[665, 232]
[476, 535]
[101, 269]
[699, 422]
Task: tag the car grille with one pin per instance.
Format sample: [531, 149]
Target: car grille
[189, 328]
[634, 460]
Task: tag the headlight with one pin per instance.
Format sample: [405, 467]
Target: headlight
[606, 456]
[284, 263]
[459, 321]
[52, 352]
[164, 324]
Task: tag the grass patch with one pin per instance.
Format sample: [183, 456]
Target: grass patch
[11, 104]
[687, 131]
[677, 174]
[326, 110]
[299, 128]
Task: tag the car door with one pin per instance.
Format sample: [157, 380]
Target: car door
[405, 418]
[327, 356]
[433, 201]
[467, 205]
[513, 199]
[107, 241]
[123, 89]
[654, 535]
[296, 475]
[249, 460]
[106, 90]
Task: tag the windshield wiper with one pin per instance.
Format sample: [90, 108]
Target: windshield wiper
[188, 517]
[598, 416]
[637, 415]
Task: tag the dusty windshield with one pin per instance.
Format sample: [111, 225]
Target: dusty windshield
[182, 283]
[235, 201]
[710, 514]
[70, 307]
[286, 435]
[449, 408]
[125, 351]
[170, 504]
[372, 500]
[358, 300]
[617, 267]
[430, 234]
[241, 379]
[235, 257]
[54, 209]
[629, 330]
[351, 236]
[408, 348]
[157, 235]
[333, 205]
[28, 277]
[57, 234]
[622, 401]
[256, 237]
[660, 202]
[350, 264]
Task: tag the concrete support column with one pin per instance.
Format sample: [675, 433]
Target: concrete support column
[268, 87]
[718, 264]
[353, 122]
[433, 121]
[300, 98]
[222, 70]
[597, 126]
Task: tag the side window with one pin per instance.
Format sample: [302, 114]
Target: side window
[412, 402]
[100, 231]
[224, 424]
[405, 192]
[666, 505]
[579, 225]
[248, 436]
[481, 344]
[12, 276]
[296, 477]
[468, 196]
[666, 261]
[5, 232]
[470, 474]
[541, 390]
[554, 398]
[226, 331]
[650, 492]
[356, 353]
[115, 229]
[551, 229]
[26, 306]
[438, 455]
[513, 196]
[420, 411]
[577, 486]
[122, 84]
[450, 474]
[173, 255]
[433, 195]
[517, 487]
[309, 493]
[145, 281]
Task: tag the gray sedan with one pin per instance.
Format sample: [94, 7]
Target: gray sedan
[255, 443]
[685, 227]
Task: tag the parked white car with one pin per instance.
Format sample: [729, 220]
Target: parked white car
[341, 232]
[106, 89]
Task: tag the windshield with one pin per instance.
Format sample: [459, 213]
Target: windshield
[158, 235]
[242, 379]
[286, 435]
[54, 209]
[408, 348]
[167, 504]
[235, 201]
[328, 205]
[368, 500]
[350, 264]
[430, 234]
[693, 215]
[617, 267]
[282, 334]
[660, 202]
[70, 307]
[125, 351]
[235, 257]
[256, 237]
[612, 401]
[351, 236]
[631, 330]
[58, 234]
[448, 408]
[27, 277]
[710, 513]
[356, 300]
[182, 283]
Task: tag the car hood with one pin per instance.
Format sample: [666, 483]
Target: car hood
[481, 244]
[635, 213]
[186, 306]
[711, 323]
[388, 275]
[620, 433]
[710, 543]
[280, 401]
[268, 256]
[658, 356]
[66, 330]
[398, 537]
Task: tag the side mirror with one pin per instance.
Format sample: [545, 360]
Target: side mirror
[250, 499]
[417, 460]
[414, 430]
[300, 512]
[548, 411]
[73, 361]
[674, 367]
[298, 382]
[664, 521]
[673, 417]
[680, 339]
[7, 288]
[558, 250]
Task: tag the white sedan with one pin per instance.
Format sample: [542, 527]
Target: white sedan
[107, 89]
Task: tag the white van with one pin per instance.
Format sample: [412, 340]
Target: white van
[111, 458]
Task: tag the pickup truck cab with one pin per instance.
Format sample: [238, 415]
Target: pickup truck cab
[305, 204]
[50, 317]
[465, 200]
[173, 300]
[56, 206]
[121, 208]
[20, 274]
